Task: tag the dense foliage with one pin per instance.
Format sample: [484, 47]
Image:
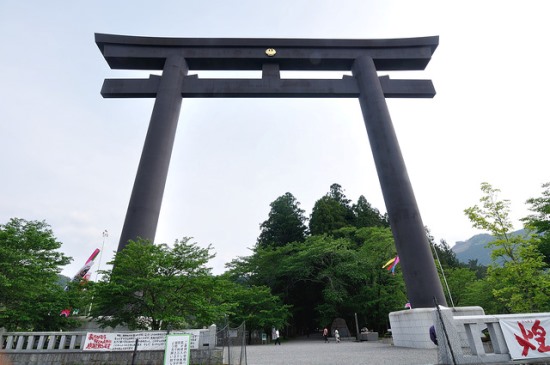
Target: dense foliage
[336, 271]
[153, 286]
[300, 275]
[539, 221]
[160, 287]
[518, 278]
[30, 296]
[256, 306]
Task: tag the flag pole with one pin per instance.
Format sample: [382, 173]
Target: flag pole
[443, 273]
[105, 235]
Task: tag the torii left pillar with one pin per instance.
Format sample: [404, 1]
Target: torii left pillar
[146, 199]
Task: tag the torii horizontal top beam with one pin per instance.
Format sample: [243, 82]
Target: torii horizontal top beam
[149, 53]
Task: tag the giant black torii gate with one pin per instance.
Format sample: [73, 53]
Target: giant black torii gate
[176, 56]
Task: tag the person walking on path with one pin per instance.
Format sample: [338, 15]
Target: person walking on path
[337, 336]
[325, 334]
[276, 337]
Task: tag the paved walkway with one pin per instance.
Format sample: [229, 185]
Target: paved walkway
[318, 352]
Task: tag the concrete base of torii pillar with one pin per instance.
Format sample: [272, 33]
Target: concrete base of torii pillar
[410, 328]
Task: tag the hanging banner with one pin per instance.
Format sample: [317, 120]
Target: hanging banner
[125, 341]
[83, 273]
[526, 338]
[178, 350]
[82, 276]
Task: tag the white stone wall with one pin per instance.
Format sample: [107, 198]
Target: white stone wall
[410, 328]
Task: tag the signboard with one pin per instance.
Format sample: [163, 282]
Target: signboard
[526, 338]
[178, 350]
[125, 341]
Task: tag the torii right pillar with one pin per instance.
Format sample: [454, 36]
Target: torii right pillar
[410, 236]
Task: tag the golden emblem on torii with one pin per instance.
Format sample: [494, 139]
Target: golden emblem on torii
[270, 52]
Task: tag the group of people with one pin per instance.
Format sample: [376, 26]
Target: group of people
[336, 335]
[277, 339]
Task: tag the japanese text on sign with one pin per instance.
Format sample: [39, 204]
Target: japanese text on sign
[526, 338]
[125, 341]
[177, 350]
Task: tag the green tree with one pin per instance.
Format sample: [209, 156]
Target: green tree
[367, 216]
[379, 292]
[286, 223]
[256, 306]
[517, 274]
[335, 272]
[480, 293]
[30, 297]
[458, 280]
[337, 193]
[539, 221]
[331, 212]
[269, 267]
[326, 277]
[478, 269]
[153, 286]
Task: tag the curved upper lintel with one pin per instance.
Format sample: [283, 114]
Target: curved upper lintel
[103, 38]
[135, 52]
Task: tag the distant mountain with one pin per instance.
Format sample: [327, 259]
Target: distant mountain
[475, 248]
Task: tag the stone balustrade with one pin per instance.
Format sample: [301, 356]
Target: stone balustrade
[51, 348]
[475, 347]
[464, 327]
[40, 341]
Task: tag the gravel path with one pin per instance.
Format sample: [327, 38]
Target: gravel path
[344, 353]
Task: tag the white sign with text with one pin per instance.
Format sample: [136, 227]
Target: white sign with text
[126, 341]
[526, 338]
[178, 350]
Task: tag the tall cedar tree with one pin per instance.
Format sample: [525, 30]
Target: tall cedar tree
[286, 223]
[331, 212]
[367, 216]
[323, 277]
[326, 277]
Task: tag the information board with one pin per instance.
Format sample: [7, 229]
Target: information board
[125, 341]
[178, 350]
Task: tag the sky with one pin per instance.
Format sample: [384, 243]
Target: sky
[69, 157]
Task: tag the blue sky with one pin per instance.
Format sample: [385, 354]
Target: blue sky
[69, 157]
